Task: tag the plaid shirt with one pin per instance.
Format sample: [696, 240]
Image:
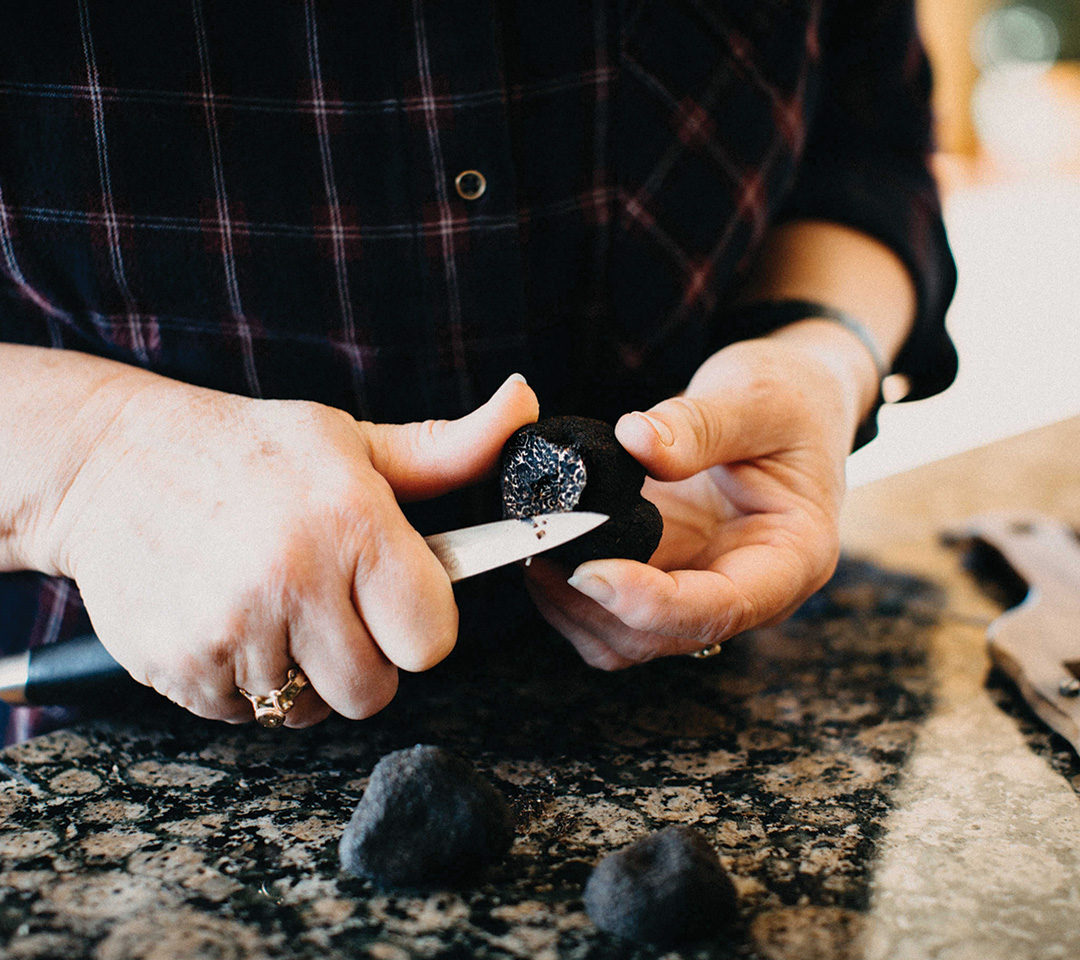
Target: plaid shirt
[263, 197]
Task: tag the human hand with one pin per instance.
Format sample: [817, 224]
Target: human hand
[747, 468]
[218, 540]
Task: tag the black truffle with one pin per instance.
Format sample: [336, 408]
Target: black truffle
[665, 888]
[427, 818]
[574, 463]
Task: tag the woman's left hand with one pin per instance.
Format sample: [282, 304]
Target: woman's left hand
[747, 468]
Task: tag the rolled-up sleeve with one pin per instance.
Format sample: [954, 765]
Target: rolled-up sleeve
[867, 165]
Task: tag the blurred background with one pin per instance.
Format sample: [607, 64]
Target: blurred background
[1007, 102]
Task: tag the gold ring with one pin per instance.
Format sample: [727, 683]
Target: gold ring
[707, 651]
[270, 710]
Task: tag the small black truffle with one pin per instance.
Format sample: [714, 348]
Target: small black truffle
[666, 888]
[575, 463]
[427, 818]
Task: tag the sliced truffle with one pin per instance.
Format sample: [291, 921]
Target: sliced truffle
[666, 888]
[427, 818]
[575, 463]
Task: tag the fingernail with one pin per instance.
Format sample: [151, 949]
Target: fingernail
[594, 587]
[516, 378]
[663, 431]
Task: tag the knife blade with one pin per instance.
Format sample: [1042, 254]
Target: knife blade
[81, 669]
[472, 550]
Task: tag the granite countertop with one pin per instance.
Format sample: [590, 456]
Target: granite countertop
[853, 768]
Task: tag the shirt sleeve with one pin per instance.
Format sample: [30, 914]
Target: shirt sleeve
[867, 165]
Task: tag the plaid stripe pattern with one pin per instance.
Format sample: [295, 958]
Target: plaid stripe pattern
[260, 196]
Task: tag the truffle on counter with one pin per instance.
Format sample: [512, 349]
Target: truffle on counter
[575, 463]
[427, 818]
[665, 888]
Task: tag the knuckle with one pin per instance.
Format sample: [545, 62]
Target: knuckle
[431, 431]
[431, 639]
[639, 648]
[814, 552]
[427, 436]
[645, 638]
[381, 697]
[379, 689]
[743, 612]
[704, 428]
[604, 658]
[640, 618]
[416, 658]
[746, 613]
[223, 647]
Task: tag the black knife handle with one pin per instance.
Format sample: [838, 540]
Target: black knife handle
[77, 671]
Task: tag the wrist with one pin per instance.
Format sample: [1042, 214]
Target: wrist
[842, 358]
[847, 346]
[61, 404]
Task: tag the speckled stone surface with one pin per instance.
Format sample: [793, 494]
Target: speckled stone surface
[980, 857]
[175, 838]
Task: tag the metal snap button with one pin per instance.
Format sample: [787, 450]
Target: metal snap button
[470, 184]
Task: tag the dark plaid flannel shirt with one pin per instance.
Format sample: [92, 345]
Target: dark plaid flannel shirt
[259, 195]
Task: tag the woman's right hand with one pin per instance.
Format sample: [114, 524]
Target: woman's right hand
[218, 540]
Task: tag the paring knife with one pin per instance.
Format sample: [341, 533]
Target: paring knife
[81, 668]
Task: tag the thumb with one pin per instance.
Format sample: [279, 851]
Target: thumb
[421, 460]
[682, 436]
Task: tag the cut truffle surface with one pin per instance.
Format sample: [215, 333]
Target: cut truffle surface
[561, 464]
[665, 888]
[426, 818]
[547, 478]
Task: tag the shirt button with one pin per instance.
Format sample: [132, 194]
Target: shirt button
[470, 184]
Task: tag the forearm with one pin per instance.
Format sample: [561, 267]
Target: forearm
[56, 404]
[843, 268]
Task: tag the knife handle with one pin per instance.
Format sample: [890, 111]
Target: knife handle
[77, 671]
